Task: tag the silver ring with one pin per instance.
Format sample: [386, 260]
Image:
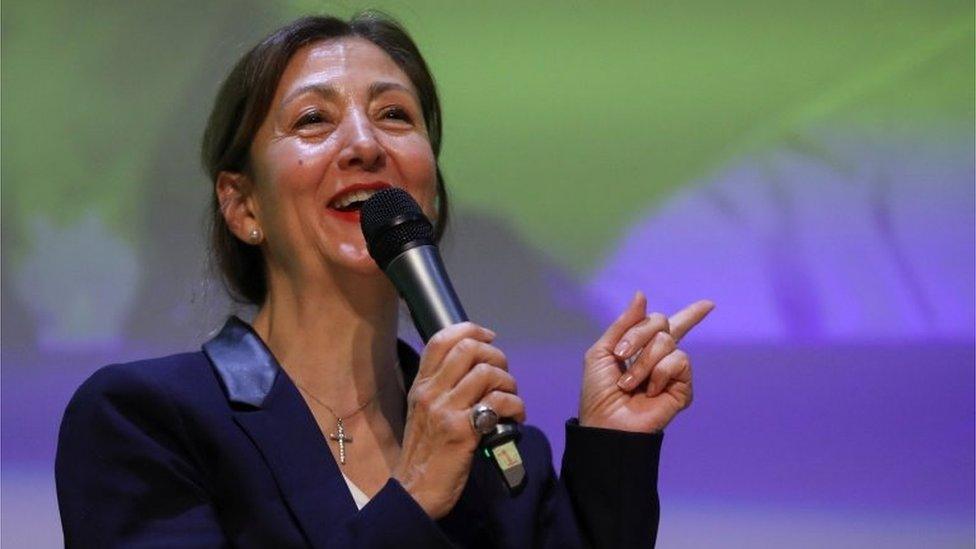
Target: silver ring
[483, 419]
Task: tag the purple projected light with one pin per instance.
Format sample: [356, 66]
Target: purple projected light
[793, 249]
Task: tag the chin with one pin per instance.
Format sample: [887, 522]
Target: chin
[356, 258]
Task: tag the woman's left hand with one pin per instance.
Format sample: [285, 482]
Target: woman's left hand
[646, 396]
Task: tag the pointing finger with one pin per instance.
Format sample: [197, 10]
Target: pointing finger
[686, 319]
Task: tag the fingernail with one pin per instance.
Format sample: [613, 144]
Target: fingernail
[622, 349]
[624, 382]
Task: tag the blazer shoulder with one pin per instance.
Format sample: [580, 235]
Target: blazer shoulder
[149, 378]
[157, 399]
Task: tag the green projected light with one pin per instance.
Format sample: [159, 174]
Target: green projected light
[589, 113]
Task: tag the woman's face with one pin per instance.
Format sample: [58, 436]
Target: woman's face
[344, 123]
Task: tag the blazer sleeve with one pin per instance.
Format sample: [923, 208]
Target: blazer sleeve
[123, 473]
[607, 487]
[391, 519]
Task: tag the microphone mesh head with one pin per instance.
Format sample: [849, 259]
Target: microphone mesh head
[392, 223]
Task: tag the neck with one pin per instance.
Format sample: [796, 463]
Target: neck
[336, 339]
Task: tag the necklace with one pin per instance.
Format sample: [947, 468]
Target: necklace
[340, 434]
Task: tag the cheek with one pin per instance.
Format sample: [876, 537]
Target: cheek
[296, 167]
[420, 173]
[288, 186]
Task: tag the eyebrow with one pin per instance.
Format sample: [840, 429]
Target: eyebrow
[330, 92]
[378, 88]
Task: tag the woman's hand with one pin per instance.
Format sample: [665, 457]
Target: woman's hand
[646, 396]
[458, 369]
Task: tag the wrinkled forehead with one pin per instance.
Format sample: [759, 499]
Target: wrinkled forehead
[348, 64]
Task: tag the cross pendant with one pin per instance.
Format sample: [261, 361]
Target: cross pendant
[342, 439]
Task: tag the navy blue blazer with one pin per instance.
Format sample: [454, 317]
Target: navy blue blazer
[218, 448]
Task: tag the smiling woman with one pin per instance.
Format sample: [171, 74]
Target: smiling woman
[344, 120]
[252, 99]
[313, 425]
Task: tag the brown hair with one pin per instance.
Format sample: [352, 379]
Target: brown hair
[244, 100]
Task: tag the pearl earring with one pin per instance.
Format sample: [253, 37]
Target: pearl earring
[255, 235]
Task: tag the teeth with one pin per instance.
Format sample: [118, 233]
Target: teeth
[355, 196]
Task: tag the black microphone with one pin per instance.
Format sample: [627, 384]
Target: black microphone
[400, 239]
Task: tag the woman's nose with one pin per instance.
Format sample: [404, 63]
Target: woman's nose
[361, 149]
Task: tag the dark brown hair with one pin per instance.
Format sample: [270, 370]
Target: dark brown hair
[244, 100]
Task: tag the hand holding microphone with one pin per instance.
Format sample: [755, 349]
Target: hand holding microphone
[459, 368]
[462, 381]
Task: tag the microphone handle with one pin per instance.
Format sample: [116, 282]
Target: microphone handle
[419, 276]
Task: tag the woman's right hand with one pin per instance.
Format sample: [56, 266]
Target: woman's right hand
[458, 369]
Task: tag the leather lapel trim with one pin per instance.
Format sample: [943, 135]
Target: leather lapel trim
[245, 366]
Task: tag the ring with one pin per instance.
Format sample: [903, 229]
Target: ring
[483, 419]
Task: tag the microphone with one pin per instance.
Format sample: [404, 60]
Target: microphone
[400, 239]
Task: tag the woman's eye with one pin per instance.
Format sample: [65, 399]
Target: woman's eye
[312, 117]
[396, 113]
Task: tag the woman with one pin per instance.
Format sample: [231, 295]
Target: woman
[314, 426]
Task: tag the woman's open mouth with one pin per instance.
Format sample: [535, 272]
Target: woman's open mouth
[347, 203]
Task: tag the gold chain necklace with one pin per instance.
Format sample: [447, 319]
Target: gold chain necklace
[340, 434]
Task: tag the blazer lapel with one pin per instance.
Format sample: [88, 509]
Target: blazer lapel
[286, 434]
[274, 416]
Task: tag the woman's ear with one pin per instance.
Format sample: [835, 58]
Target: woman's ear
[235, 196]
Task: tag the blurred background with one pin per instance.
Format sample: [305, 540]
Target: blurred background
[809, 166]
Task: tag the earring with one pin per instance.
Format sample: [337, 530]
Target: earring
[255, 235]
